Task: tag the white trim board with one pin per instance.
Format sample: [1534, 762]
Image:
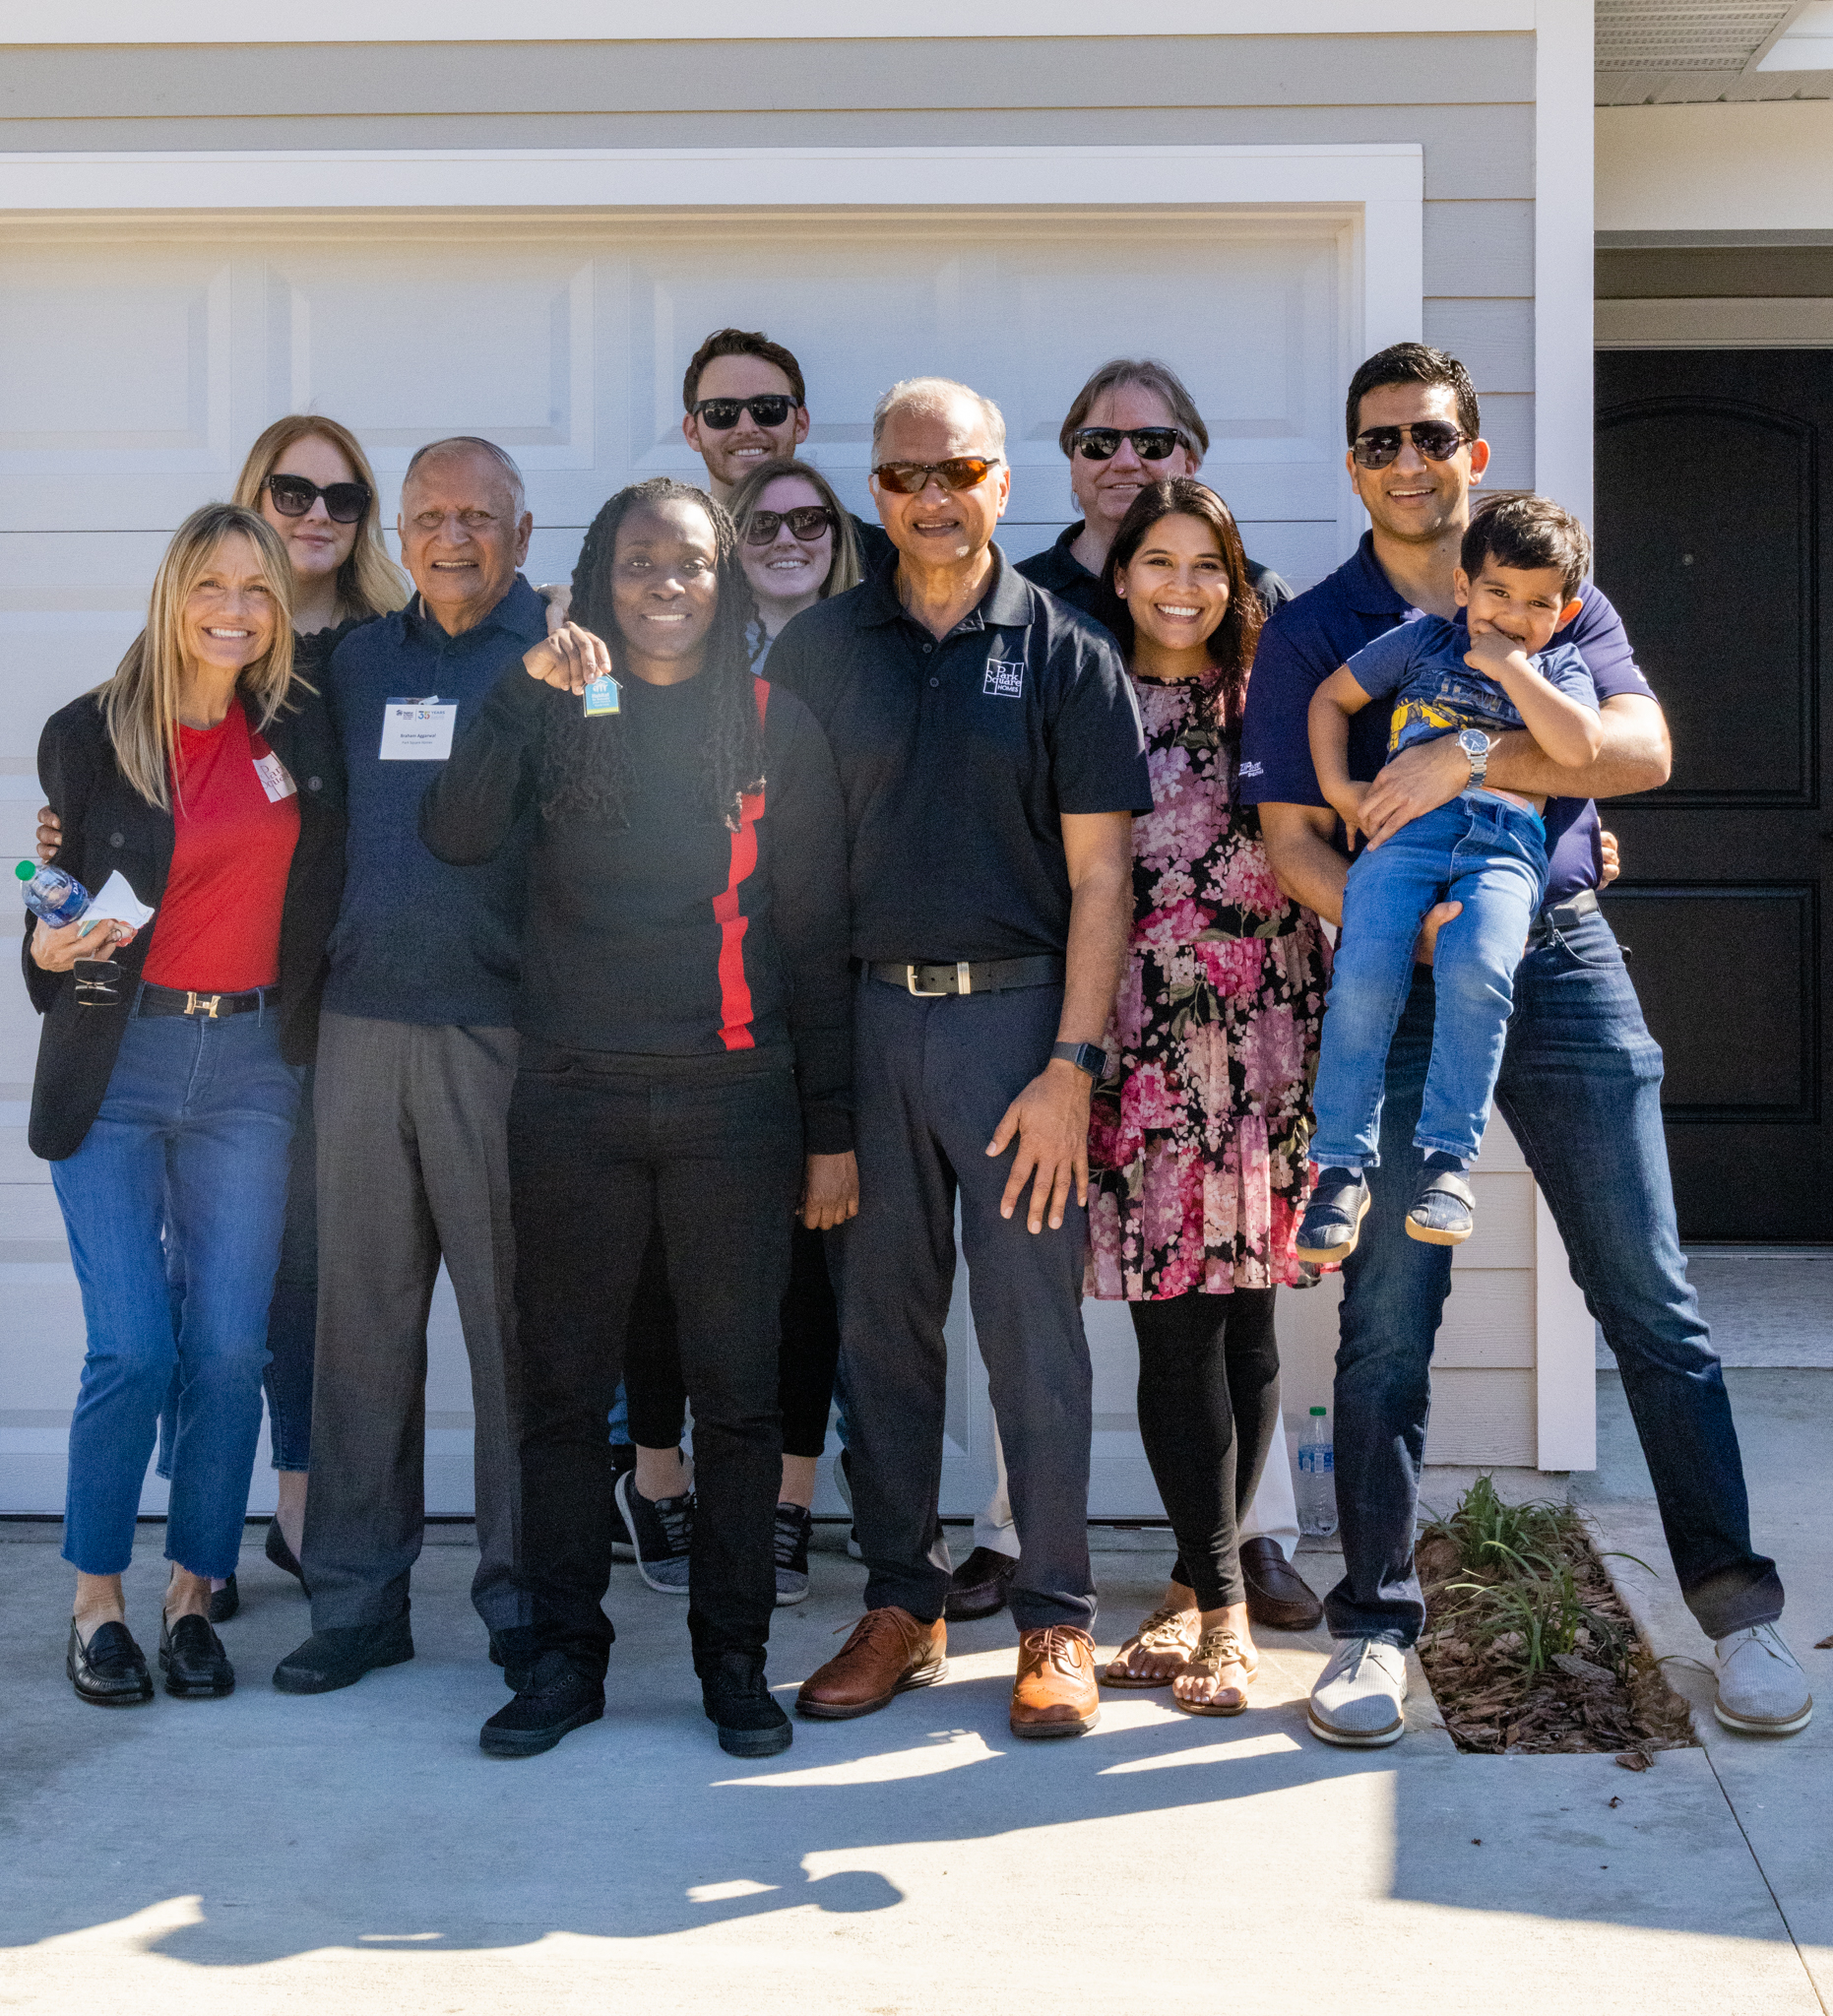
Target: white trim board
[604, 21]
[1563, 142]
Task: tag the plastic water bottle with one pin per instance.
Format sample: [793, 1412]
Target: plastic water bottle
[50, 894]
[1317, 1479]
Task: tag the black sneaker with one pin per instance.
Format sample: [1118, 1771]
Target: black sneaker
[843, 1482]
[340, 1656]
[739, 1706]
[623, 1457]
[661, 1532]
[1333, 1220]
[110, 1670]
[514, 1649]
[795, 1524]
[557, 1697]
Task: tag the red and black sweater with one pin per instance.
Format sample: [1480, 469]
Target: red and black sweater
[671, 935]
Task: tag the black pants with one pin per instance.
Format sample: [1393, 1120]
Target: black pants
[1209, 1368]
[602, 1150]
[656, 1392]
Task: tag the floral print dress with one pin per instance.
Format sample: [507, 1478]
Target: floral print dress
[1197, 1134]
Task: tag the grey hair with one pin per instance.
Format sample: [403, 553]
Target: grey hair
[461, 444]
[936, 396]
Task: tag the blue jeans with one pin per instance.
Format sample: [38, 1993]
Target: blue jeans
[1491, 857]
[1580, 1085]
[190, 1146]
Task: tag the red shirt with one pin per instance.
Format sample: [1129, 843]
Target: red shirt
[235, 812]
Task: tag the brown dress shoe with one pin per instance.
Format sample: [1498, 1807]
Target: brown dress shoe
[1055, 1694]
[1277, 1595]
[889, 1651]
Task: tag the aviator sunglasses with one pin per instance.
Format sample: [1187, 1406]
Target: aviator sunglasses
[958, 473]
[767, 409]
[805, 521]
[1436, 440]
[295, 496]
[1149, 444]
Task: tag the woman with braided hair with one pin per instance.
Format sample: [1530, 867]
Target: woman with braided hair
[685, 1064]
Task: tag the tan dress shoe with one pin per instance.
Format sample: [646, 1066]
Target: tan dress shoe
[889, 1651]
[1055, 1694]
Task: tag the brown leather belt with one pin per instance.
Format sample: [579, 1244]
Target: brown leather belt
[929, 978]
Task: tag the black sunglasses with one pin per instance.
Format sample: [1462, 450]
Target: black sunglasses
[1436, 440]
[1149, 444]
[295, 496]
[805, 521]
[958, 473]
[767, 409]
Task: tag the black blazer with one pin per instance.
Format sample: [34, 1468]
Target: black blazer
[108, 825]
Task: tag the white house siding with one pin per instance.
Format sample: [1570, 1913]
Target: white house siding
[1476, 134]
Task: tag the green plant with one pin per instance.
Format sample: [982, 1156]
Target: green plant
[1492, 1536]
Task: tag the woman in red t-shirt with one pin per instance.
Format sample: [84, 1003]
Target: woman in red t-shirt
[205, 777]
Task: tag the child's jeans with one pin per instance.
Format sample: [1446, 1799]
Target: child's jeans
[1488, 856]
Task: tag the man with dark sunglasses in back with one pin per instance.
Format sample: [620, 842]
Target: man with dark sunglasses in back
[992, 759]
[744, 401]
[1580, 1081]
[1133, 424]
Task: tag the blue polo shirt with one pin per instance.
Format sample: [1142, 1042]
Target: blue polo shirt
[959, 756]
[1323, 628]
[417, 940]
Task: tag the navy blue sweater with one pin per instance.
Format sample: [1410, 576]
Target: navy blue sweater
[419, 940]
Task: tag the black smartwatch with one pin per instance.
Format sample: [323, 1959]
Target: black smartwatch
[1089, 1057]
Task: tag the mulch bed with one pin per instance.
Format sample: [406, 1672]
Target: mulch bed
[1528, 1647]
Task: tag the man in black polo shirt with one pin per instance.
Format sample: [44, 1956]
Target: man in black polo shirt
[992, 760]
[743, 402]
[1133, 424]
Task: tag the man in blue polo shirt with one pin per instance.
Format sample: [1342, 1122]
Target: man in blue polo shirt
[992, 760]
[416, 1056]
[1580, 1083]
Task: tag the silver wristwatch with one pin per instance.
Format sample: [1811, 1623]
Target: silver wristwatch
[1476, 745]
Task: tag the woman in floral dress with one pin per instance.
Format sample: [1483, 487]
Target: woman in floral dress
[1197, 1136]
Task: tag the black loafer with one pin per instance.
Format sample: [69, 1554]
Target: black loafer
[1443, 1214]
[110, 1670]
[1333, 1220]
[225, 1601]
[1277, 1595]
[339, 1657]
[556, 1699]
[193, 1660]
[980, 1587]
[739, 1704]
[282, 1555]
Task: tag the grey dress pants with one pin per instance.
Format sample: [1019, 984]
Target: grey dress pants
[413, 1165]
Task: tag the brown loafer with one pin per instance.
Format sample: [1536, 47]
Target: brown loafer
[1055, 1693]
[889, 1652]
[1277, 1595]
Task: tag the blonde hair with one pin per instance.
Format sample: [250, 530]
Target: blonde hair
[843, 569]
[140, 704]
[369, 584]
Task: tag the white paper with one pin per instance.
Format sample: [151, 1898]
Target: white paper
[116, 899]
[275, 779]
[417, 731]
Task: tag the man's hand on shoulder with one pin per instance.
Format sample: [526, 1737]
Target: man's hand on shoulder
[1049, 1119]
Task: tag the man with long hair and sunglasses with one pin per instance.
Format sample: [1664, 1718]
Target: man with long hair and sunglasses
[992, 759]
[743, 402]
[1580, 1080]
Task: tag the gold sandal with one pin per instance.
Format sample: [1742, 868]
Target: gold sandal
[1218, 1648]
[1167, 1629]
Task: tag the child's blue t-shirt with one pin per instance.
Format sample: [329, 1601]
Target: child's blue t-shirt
[1435, 693]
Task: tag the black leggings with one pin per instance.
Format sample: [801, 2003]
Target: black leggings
[1209, 1368]
[807, 1358]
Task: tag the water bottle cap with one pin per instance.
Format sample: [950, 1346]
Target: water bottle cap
[25, 871]
[1320, 1409]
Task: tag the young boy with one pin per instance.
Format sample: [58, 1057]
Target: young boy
[1522, 561]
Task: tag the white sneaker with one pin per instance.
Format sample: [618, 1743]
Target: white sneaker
[1762, 1688]
[1356, 1701]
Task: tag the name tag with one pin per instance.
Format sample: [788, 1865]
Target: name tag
[601, 695]
[275, 780]
[417, 731]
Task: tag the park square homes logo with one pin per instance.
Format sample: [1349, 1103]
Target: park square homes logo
[1006, 680]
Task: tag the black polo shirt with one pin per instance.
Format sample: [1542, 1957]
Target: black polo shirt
[958, 758]
[1058, 569]
[874, 541]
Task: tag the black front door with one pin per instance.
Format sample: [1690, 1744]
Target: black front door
[1711, 535]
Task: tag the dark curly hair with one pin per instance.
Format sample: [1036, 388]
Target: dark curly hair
[1232, 643]
[585, 761]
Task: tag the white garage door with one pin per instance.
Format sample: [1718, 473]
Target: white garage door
[136, 367]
